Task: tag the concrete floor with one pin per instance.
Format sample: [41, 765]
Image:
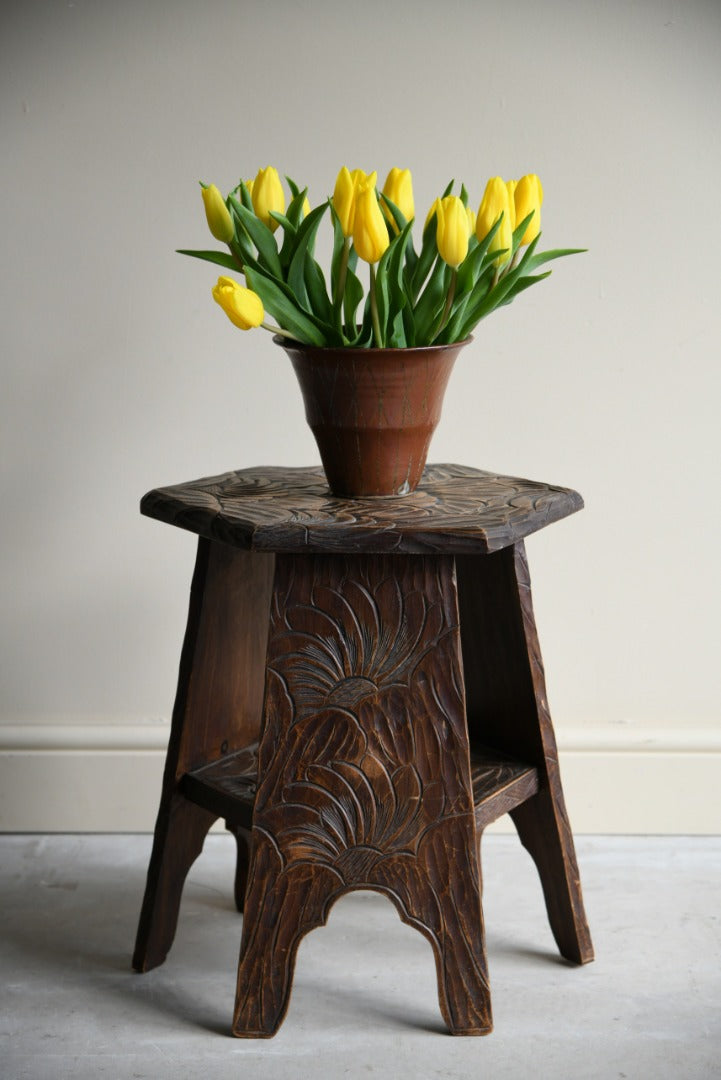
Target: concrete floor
[364, 1002]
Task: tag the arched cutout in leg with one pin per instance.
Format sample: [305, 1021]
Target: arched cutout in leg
[179, 838]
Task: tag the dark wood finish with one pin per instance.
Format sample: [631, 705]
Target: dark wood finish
[455, 510]
[242, 862]
[499, 785]
[217, 710]
[228, 787]
[361, 692]
[507, 710]
[364, 776]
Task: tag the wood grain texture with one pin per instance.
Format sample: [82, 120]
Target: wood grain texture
[218, 709]
[228, 787]
[454, 510]
[507, 710]
[398, 706]
[364, 776]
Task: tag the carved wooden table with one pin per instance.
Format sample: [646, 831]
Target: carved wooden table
[361, 692]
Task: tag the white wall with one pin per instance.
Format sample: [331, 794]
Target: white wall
[120, 374]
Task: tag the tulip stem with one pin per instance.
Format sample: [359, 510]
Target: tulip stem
[236, 255]
[449, 303]
[278, 330]
[374, 310]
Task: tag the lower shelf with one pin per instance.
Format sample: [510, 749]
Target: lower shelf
[227, 787]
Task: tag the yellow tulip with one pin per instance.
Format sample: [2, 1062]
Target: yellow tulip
[370, 232]
[528, 197]
[347, 186]
[243, 307]
[471, 220]
[452, 230]
[344, 200]
[306, 207]
[495, 202]
[267, 194]
[511, 186]
[432, 213]
[220, 222]
[360, 178]
[399, 189]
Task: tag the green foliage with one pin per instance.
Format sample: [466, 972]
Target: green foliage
[413, 297]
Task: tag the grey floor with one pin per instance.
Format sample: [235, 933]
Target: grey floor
[364, 1001]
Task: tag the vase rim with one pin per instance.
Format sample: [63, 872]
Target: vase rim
[287, 343]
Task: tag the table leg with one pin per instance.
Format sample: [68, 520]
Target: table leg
[364, 776]
[508, 710]
[217, 710]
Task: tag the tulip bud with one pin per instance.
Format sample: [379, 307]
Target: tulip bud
[220, 222]
[511, 186]
[370, 232]
[399, 189]
[528, 197]
[432, 213]
[495, 202]
[267, 194]
[344, 200]
[452, 230]
[243, 307]
[345, 195]
[471, 220]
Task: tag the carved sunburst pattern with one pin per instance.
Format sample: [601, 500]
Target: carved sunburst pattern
[364, 774]
[363, 703]
[354, 639]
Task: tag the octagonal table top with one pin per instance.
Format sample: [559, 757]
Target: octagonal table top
[455, 510]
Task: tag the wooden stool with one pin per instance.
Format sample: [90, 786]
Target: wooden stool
[361, 692]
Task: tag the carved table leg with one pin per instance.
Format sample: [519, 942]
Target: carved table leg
[242, 840]
[508, 710]
[217, 710]
[364, 776]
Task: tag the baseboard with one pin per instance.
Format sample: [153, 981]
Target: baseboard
[67, 776]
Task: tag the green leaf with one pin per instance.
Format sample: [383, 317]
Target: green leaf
[245, 196]
[317, 290]
[431, 302]
[295, 209]
[397, 335]
[401, 222]
[283, 308]
[303, 241]
[518, 233]
[382, 295]
[287, 224]
[545, 256]
[261, 236]
[521, 285]
[475, 263]
[427, 257]
[222, 258]
[479, 308]
[354, 293]
[338, 245]
[398, 299]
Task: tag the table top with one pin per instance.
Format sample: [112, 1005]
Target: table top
[454, 510]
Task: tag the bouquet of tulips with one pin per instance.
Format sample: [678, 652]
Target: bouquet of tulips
[468, 263]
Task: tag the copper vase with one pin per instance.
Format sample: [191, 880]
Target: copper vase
[373, 412]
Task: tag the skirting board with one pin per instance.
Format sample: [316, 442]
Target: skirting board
[618, 779]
